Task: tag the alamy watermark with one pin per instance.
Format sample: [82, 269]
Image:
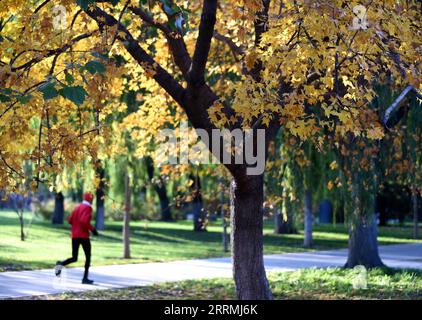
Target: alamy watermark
[360, 279]
[360, 20]
[59, 17]
[181, 146]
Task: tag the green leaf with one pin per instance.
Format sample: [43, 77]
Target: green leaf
[24, 99]
[7, 91]
[94, 66]
[100, 55]
[48, 91]
[75, 94]
[119, 60]
[84, 3]
[4, 98]
[69, 78]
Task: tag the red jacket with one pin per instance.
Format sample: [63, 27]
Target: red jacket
[80, 220]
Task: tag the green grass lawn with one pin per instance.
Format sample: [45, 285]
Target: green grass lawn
[152, 242]
[332, 283]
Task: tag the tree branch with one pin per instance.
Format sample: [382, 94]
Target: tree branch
[50, 53]
[260, 25]
[237, 50]
[203, 43]
[163, 78]
[175, 41]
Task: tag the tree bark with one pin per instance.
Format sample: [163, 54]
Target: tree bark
[363, 245]
[126, 219]
[161, 190]
[280, 225]
[22, 225]
[363, 242]
[415, 212]
[247, 194]
[307, 242]
[164, 203]
[225, 236]
[199, 217]
[100, 193]
[58, 214]
[223, 221]
[278, 218]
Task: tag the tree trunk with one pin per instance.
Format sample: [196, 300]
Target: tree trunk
[100, 193]
[161, 190]
[277, 221]
[415, 212]
[363, 244]
[126, 219]
[247, 196]
[58, 214]
[199, 217]
[199, 220]
[22, 225]
[223, 217]
[282, 226]
[307, 242]
[225, 236]
[164, 201]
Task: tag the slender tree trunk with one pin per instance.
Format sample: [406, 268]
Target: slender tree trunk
[199, 220]
[161, 190]
[199, 217]
[126, 219]
[415, 212]
[223, 221]
[277, 221]
[164, 202]
[58, 214]
[247, 196]
[100, 193]
[307, 242]
[225, 235]
[22, 225]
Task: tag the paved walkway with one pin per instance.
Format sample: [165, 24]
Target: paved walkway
[41, 282]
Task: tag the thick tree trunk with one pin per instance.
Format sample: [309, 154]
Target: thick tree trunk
[100, 193]
[415, 212]
[58, 214]
[126, 219]
[247, 196]
[363, 244]
[307, 242]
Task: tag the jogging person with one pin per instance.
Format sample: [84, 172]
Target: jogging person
[80, 227]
